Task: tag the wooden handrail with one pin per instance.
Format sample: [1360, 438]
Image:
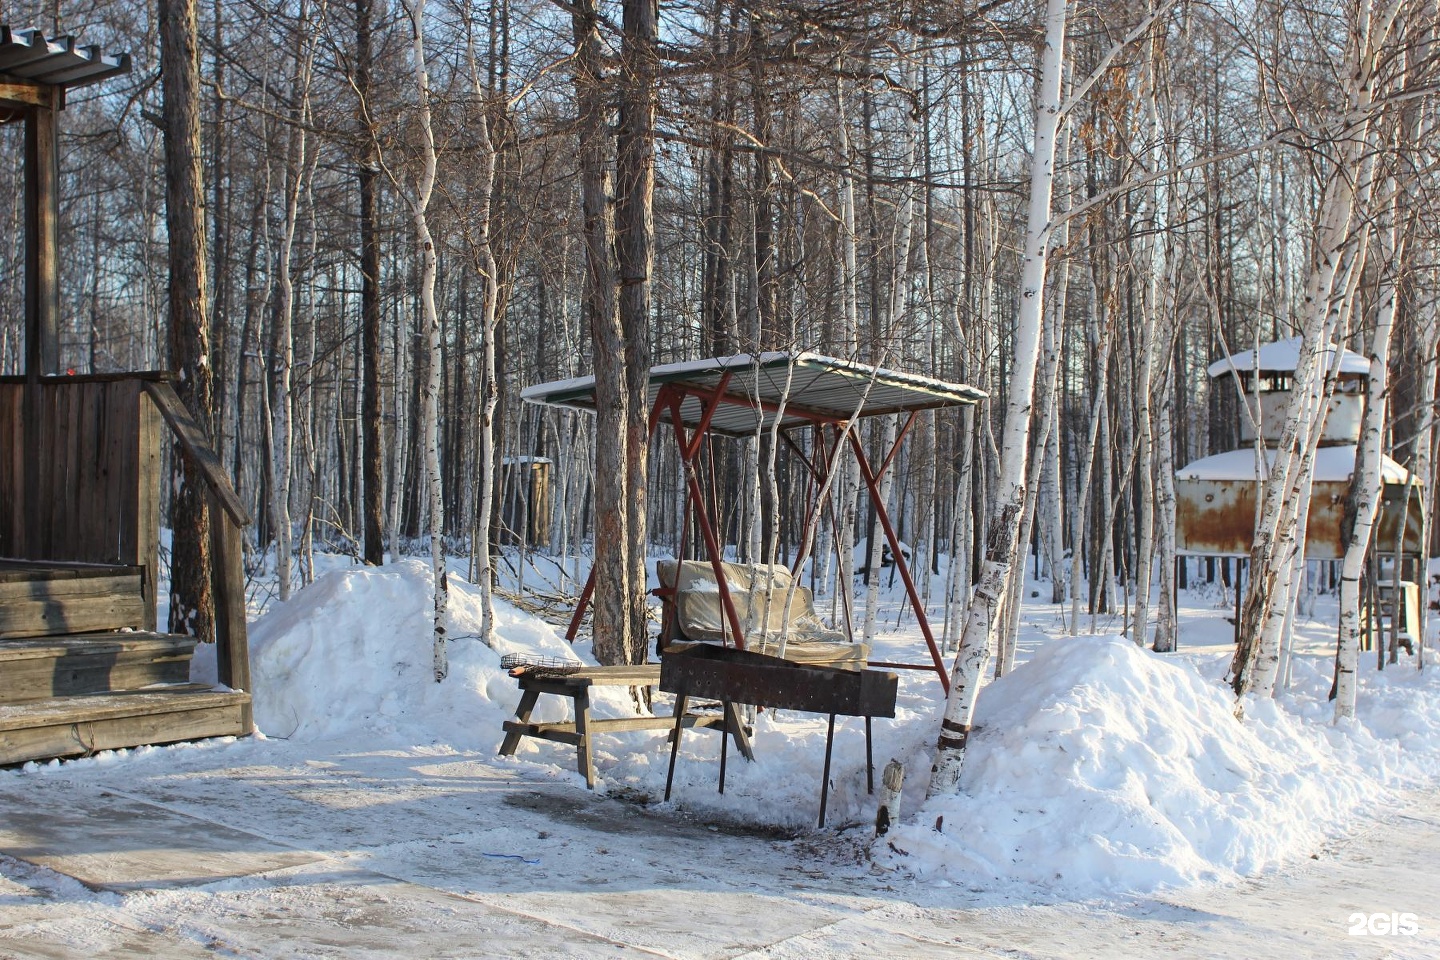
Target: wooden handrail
[197, 445]
[228, 516]
[50, 379]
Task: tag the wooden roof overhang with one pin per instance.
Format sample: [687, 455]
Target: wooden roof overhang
[741, 395]
[35, 73]
[752, 390]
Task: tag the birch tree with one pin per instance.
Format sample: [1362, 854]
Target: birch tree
[430, 326]
[1257, 656]
[1366, 485]
[282, 340]
[978, 638]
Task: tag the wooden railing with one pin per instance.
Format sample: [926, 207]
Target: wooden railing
[227, 518]
[80, 482]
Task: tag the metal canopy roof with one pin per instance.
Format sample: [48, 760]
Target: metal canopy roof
[813, 389]
[1283, 356]
[57, 62]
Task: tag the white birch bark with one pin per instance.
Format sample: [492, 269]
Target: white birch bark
[490, 389]
[1334, 249]
[847, 486]
[1080, 529]
[430, 321]
[1367, 482]
[1154, 208]
[876, 545]
[283, 337]
[978, 638]
[957, 587]
[1166, 626]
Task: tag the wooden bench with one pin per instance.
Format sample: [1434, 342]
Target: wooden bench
[575, 685]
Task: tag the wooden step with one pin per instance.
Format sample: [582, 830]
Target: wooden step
[50, 599]
[78, 726]
[43, 667]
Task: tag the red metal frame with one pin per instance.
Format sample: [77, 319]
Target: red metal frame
[669, 400]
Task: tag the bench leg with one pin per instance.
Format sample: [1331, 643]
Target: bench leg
[735, 727]
[585, 760]
[681, 702]
[522, 715]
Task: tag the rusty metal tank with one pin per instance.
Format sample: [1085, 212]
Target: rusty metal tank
[1215, 502]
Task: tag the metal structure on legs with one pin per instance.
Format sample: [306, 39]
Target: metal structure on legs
[749, 395]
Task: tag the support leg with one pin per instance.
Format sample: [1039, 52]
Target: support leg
[825, 781]
[735, 727]
[724, 742]
[681, 701]
[585, 760]
[522, 715]
[869, 761]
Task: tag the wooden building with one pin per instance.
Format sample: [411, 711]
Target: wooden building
[83, 666]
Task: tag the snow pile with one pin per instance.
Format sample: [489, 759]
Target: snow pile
[1098, 766]
[352, 654]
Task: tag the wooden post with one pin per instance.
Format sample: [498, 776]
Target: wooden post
[42, 287]
[42, 238]
[232, 647]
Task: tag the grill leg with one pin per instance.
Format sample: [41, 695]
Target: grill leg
[869, 761]
[724, 742]
[681, 701]
[825, 782]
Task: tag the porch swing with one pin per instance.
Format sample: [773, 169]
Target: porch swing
[706, 651]
[711, 600]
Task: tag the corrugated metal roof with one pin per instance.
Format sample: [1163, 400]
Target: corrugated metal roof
[1283, 356]
[57, 61]
[809, 385]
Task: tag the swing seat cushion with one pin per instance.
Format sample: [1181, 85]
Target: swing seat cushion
[760, 593]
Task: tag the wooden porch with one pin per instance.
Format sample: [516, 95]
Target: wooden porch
[82, 665]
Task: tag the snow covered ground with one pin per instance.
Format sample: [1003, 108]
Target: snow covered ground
[1111, 803]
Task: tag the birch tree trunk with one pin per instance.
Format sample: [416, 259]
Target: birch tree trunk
[282, 349]
[847, 485]
[484, 254]
[1080, 531]
[1274, 538]
[1166, 615]
[978, 637]
[894, 308]
[1153, 209]
[1366, 489]
[430, 320]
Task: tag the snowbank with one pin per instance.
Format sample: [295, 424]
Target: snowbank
[1096, 766]
[1099, 766]
[351, 655]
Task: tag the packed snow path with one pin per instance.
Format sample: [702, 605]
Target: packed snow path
[265, 849]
